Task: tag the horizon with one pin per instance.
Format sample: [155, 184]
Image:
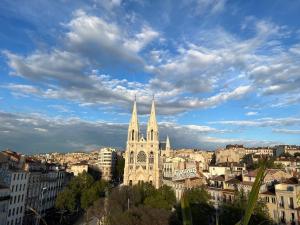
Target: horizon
[222, 72]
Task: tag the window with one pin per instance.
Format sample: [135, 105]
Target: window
[291, 203]
[273, 200]
[131, 157]
[141, 157]
[151, 135]
[20, 187]
[13, 212]
[132, 135]
[19, 198]
[18, 176]
[151, 158]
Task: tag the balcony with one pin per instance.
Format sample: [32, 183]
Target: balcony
[291, 206]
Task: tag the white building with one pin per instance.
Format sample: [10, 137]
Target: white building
[17, 180]
[4, 201]
[106, 162]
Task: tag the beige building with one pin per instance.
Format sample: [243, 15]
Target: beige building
[143, 155]
[106, 162]
[78, 168]
[231, 154]
[287, 195]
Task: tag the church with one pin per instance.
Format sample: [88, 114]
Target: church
[144, 156]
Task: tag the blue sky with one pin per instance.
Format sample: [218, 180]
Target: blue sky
[221, 71]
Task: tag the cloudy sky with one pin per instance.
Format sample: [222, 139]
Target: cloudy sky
[221, 71]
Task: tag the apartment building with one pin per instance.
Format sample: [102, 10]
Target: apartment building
[231, 154]
[106, 162]
[287, 195]
[4, 201]
[78, 168]
[17, 181]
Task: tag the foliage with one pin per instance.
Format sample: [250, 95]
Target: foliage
[66, 200]
[197, 195]
[268, 164]
[201, 210]
[253, 197]
[81, 192]
[286, 154]
[186, 211]
[119, 169]
[141, 204]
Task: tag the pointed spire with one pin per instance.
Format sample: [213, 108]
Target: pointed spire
[152, 119]
[168, 145]
[152, 128]
[133, 129]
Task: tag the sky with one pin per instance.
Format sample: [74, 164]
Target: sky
[221, 72]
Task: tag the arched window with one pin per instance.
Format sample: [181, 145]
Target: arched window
[151, 158]
[151, 135]
[141, 157]
[132, 135]
[131, 157]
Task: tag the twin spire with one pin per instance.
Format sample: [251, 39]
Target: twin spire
[152, 128]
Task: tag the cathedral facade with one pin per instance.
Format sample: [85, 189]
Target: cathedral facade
[144, 155]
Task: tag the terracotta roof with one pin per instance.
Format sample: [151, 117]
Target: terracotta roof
[253, 173]
[292, 180]
[219, 178]
[267, 193]
[249, 183]
[233, 181]
[228, 190]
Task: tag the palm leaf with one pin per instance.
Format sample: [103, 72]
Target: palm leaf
[253, 197]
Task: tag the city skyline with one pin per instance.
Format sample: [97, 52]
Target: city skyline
[222, 72]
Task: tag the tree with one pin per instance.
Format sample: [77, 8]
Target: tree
[163, 198]
[201, 210]
[119, 169]
[141, 205]
[197, 195]
[66, 200]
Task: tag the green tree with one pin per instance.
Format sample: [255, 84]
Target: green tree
[163, 198]
[119, 169]
[66, 200]
[201, 210]
[197, 195]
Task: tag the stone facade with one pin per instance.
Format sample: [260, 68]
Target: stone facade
[144, 155]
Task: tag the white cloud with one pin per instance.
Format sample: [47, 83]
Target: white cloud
[41, 129]
[251, 113]
[286, 131]
[70, 134]
[262, 122]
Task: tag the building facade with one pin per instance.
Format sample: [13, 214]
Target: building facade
[106, 163]
[4, 201]
[143, 155]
